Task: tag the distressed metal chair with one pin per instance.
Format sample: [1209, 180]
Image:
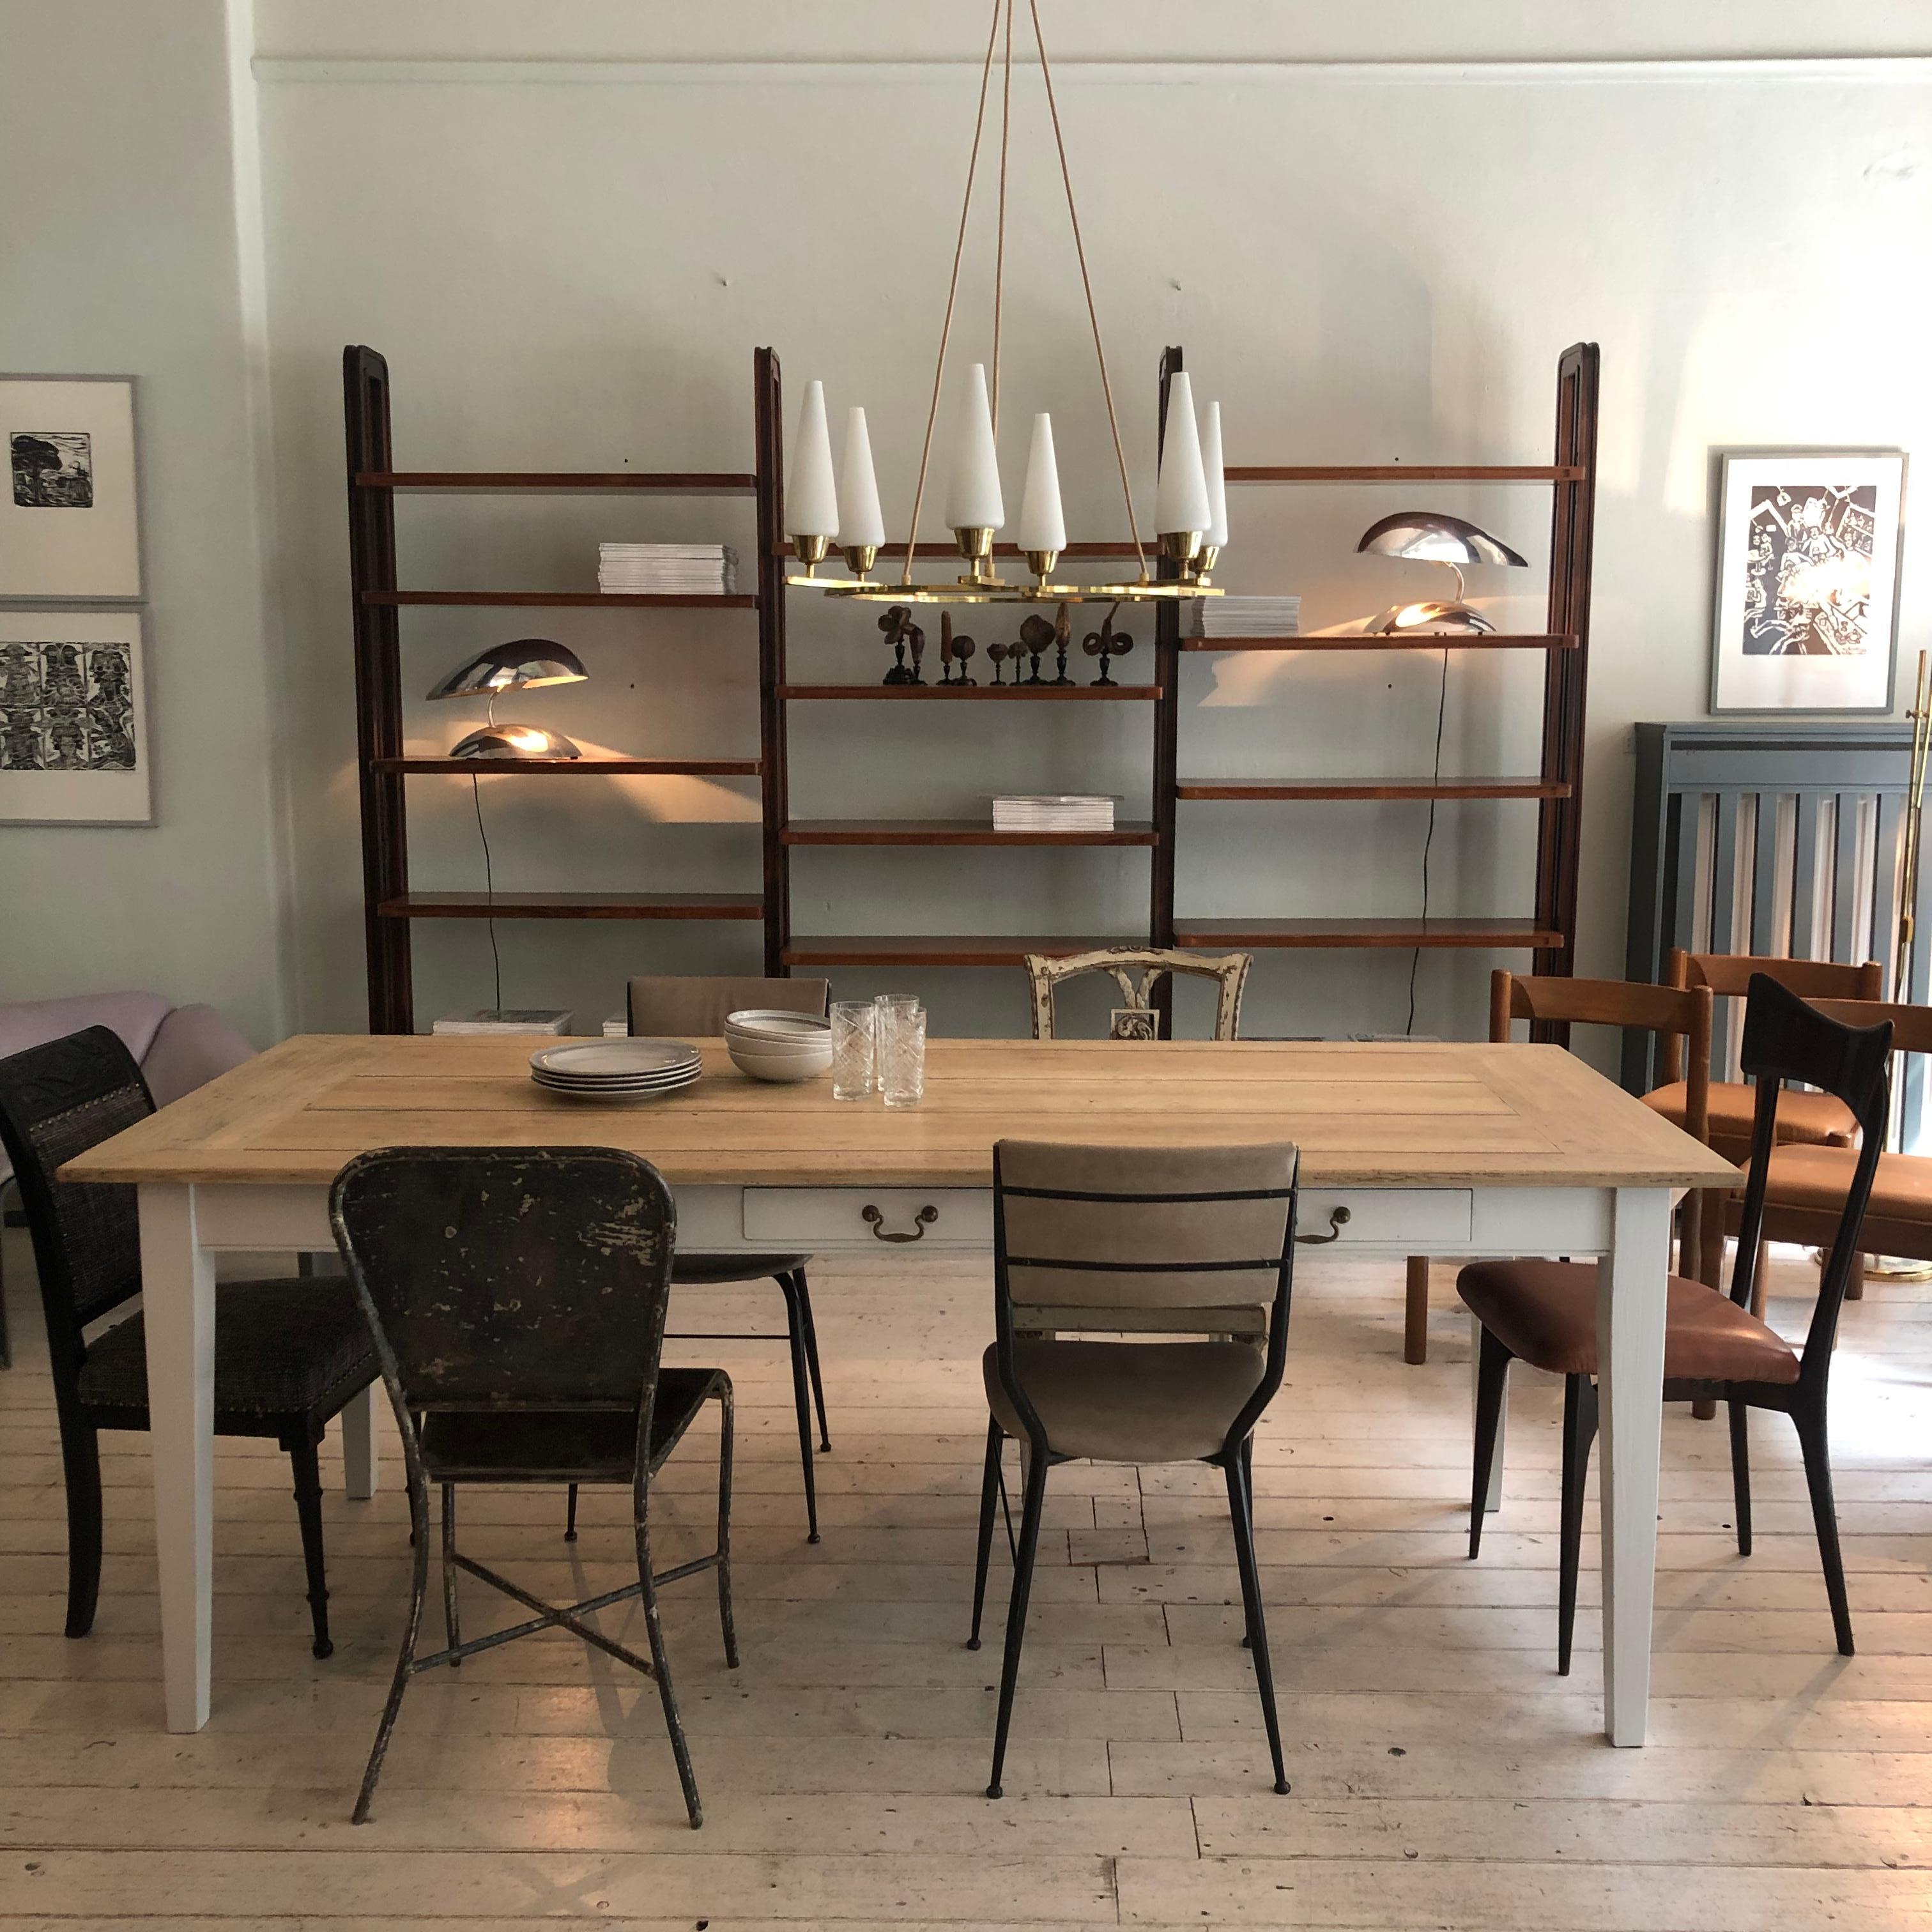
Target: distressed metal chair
[1138, 1020]
[1545, 1313]
[518, 1300]
[1194, 1243]
[289, 1355]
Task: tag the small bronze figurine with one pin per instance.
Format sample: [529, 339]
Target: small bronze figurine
[953, 651]
[1062, 637]
[997, 654]
[1107, 643]
[900, 631]
[1036, 639]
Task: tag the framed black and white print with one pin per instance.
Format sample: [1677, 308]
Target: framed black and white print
[1808, 543]
[70, 525]
[75, 749]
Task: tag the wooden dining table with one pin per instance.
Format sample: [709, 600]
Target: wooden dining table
[1406, 1148]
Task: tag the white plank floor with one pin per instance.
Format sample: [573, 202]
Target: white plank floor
[1444, 1776]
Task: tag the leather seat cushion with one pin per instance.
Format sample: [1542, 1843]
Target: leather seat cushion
[1811, 1117]
[1129, 1402]
[1817, 1176]
[1545, 1313]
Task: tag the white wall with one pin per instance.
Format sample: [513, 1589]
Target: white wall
[119, 254]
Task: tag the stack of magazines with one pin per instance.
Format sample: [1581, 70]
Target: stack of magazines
[681, 569]
[509, 1019]
[1241, 617]
[1054, 811]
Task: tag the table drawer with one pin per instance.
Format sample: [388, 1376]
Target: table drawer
[859, 1217]
[1410, 1219]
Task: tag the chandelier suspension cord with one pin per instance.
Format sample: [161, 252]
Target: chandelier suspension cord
[999, 229]
[952, 288]
[1086, 283]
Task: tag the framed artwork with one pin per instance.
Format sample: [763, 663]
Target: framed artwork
[1808, 543]
[75, 749]
[69, 526]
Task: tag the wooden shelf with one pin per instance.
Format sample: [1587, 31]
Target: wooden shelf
[585, 600]
[715, 768]
[1237, 934]
[1378, 640]
[919, 949]
[947, 556]
[1405, 473]
[1371, 788]
[1143, 693]
[574, 905]
[667, 482]
[950, 832]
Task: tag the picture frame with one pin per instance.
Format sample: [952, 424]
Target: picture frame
[76, 746]
[70, 508]
[1809, 545]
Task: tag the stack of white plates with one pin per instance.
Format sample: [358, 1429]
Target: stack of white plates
[773, 1045]
[615, 1069]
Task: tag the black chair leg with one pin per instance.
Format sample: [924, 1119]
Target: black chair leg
[801, 1394]
[812, 1360]
[450, 1624]
[1579, 1431]
[660, 1664]
[1032, 1510]
[308, 1512]
[1812, 1440]
[570, 1516]
[1492, 1373]
[405, 1656]
[725, 1616]
[80, 1462]
[1741, 1493]
[1248, 1487]
[1240, 1511]
[989, 1491]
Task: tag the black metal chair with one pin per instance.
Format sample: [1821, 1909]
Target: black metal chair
[517, 1302]
[1198, 1242]
[1545, 1313]
[289, 1355]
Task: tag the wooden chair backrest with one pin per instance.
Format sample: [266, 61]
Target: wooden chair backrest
[1231, 970]
[1911, 1026]
[1729, 975]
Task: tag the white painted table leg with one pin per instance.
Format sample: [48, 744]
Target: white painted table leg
[177, 1305]
[1493, 1500]
[1630, 1308]
[360, 1467]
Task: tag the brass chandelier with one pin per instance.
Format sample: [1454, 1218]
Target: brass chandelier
[823, 509]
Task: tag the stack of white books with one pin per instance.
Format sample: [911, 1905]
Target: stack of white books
[508, 1019]
[617, 1027]
[1053, 811]
[1242, 617]
[680, 568]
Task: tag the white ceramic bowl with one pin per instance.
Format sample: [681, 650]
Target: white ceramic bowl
[767, 1027]
[785, 1049]
[782, 1066]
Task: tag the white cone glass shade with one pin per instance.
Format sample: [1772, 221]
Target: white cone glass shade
[861, 522]
[1042, 522]
[811, 496]
[1180, 500]
[973, 501]
[1217, 481]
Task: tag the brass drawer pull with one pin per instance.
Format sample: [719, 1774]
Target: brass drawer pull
[1338, 1218]
[922, 1220]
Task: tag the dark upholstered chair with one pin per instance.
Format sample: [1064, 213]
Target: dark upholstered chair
[518, 1300]
[1198, 1243]
[1545, 1313]
[289, 1355]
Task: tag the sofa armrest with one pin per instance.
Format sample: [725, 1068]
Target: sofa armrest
[194, 1045]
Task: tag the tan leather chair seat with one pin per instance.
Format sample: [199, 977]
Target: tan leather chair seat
[1818, 1177]
[1545, 1313]
[1809, 1117]
[1129, 1402]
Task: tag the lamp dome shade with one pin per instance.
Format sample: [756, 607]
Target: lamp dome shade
[1433, 536]
[516, 666]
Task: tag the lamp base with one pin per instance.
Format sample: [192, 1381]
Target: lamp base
[514, 741]
[1452, 619]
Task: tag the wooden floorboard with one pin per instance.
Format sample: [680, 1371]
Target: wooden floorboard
[1443, 1774]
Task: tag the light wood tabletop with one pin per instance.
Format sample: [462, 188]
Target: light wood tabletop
[1364, 1115]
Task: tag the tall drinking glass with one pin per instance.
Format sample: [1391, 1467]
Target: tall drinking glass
[854, 1031]
[901, 1050]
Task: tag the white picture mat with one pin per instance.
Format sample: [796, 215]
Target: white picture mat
[93, 553]
[84, 798]
[1739, 683]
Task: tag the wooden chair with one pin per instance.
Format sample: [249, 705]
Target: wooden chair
[1137, 1019]
[517, 1297]
[1544, 1312]
[288, 1355]
[1682, 1019]
[1194, 1243]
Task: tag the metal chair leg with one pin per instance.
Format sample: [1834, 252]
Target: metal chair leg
[449, 1622]
[1248, 1488]
[812, 1360]
[1812, 1440]
[989, 1490]
[80, 1465]
[1491, 1373]
[570, 1516]
[405, 1656]
[308, 1512]
[1240, 1510]
[801, 1398]
[661, 1663]
[725, 1617]
[1579, 1431]
[1740, 1490]
[1033, 1509]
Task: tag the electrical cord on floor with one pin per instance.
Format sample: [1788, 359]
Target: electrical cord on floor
[1428, 839]
[489, 889]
